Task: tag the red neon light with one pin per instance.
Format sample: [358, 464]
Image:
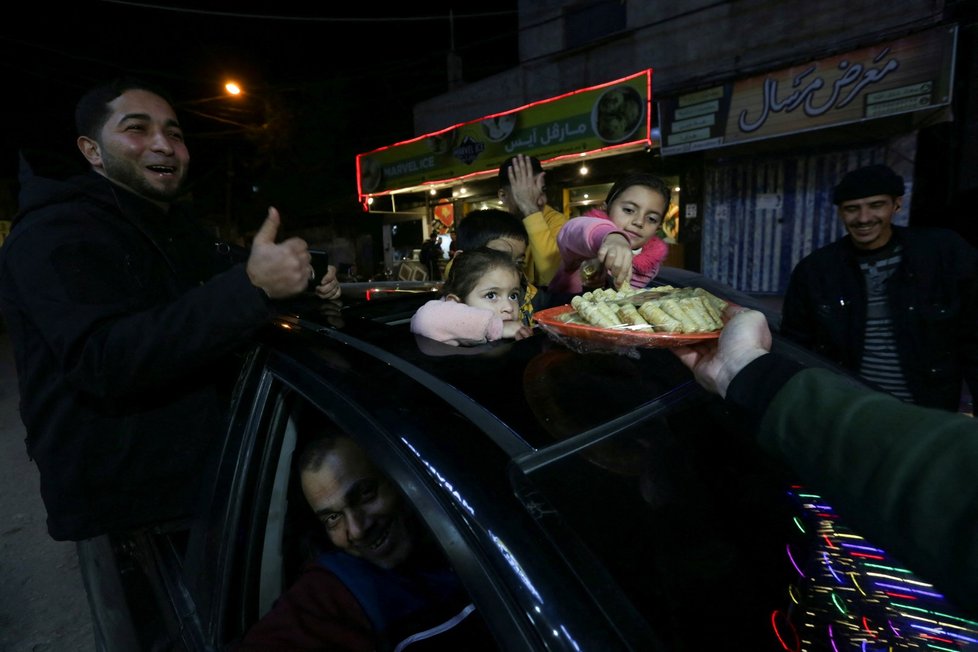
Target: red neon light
[866, 626]
[828, 541]
[481, 174]
[521, 108]
[777, 632]
[866, 555]
[936, 638]
[899, 595]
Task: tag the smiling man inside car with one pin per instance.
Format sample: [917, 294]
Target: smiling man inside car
[384, 585]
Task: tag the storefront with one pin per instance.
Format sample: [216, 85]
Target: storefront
[585, 140]
[752, 160]
[772, 147]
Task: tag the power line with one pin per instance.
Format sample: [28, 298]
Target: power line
[314, 19]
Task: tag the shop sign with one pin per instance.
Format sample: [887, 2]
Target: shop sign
[612, 115]
[910, 74]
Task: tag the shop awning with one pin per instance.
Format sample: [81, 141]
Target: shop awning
[596, 121]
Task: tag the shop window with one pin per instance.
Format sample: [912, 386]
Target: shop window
[583, 198]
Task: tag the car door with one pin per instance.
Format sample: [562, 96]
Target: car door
[258, 534]
[435, 445]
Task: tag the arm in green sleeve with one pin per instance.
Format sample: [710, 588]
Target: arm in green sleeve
[902, 475]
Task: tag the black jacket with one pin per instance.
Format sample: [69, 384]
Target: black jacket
[124, 330]
[933, 301]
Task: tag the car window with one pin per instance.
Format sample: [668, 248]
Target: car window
[272, 572]
[253, 499]
[292, 538]
[670, 501]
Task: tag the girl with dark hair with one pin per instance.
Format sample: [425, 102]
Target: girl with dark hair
[617, 245]
[480, 301]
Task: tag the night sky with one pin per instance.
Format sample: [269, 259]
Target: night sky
[354, 80]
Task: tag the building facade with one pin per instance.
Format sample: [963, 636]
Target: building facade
[757, 108]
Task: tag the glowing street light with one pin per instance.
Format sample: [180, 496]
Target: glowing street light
[231, 88]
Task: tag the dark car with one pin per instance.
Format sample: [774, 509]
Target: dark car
[588, 500]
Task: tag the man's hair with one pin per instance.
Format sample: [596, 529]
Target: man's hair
[503, 175]
[479, 227]
[93, 110]
[639, 179]
[315, 451]
[470, 265]
[320, 434]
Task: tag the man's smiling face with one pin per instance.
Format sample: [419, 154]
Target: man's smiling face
[362, 511]
[141, 147]
[868, 220]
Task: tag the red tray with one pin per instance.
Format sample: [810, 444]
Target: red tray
[554, 320]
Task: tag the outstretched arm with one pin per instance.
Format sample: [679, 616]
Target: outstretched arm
[744, 338]
[542, 228]
[901, 474]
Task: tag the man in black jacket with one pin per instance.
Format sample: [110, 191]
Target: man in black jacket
[124, 319]
[897, 306]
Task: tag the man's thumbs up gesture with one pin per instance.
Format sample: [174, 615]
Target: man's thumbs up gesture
[280, 269]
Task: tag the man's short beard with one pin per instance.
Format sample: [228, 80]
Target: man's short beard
[124, 175]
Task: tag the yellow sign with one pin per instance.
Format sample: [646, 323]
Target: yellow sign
[615, 114]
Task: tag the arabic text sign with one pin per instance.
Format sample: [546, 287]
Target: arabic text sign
[909, 74]
[609, 115]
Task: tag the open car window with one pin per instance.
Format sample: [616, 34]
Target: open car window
[294, 539]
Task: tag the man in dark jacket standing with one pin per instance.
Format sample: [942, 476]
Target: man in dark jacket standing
[124, 318]
[897, 306]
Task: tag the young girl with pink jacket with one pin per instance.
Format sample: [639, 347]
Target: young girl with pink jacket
[618, 245]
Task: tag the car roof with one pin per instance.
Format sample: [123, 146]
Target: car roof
[531, 385]
[617, 455]
[563, 394]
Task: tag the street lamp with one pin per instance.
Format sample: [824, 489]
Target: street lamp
[253, 126]
[220, 112]
[230, 109]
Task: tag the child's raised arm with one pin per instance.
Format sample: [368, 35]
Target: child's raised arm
[586, 237]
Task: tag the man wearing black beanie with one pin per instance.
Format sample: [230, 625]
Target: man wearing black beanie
[898, 306]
